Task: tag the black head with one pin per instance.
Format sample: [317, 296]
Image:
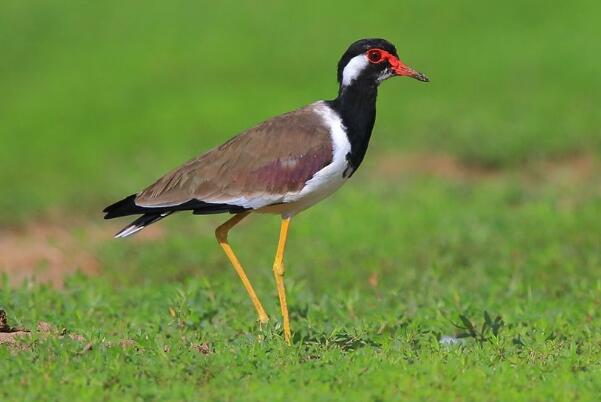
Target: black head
[372, 61]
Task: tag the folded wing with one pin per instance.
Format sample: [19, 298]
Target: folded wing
[254, 169]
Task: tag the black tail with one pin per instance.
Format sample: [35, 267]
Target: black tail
[150, 215]
[126, 206]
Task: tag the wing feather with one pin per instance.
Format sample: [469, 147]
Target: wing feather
[254, 169]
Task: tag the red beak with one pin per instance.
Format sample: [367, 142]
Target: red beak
[402, 69]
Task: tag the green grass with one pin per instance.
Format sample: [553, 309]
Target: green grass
[441, 251]
[100, 98]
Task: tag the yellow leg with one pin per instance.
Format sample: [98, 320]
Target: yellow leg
[221, 234]
[278, 273]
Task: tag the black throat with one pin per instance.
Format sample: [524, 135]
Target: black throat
[356, 105]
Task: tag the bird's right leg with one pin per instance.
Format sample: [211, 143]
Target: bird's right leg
[221, 234]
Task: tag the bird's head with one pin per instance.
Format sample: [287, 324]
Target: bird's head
[372, 61]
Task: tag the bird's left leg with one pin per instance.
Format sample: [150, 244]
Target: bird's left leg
[221, 234]
[278, 273]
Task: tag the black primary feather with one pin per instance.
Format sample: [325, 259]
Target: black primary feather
[150, 215]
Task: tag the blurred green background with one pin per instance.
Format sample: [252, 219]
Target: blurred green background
[481, 193]
[97, 99]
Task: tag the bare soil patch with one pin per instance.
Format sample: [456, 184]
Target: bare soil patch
[48, 251]
[391, 165]
[15, 338]
[574, 168]
[10, 335]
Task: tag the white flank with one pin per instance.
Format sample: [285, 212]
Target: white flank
[253, 202]
[353, 69]
[330, 178]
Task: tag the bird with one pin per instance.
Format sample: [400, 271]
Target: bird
[281, 166]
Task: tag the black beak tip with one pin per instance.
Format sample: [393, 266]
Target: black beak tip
[421, 77]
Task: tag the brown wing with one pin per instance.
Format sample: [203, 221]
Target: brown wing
[254, 169]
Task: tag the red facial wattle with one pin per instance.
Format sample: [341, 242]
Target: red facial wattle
[376, 56]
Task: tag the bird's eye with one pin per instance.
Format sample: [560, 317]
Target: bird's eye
[375, 56]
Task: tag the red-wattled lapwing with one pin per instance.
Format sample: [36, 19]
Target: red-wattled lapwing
[283, 166]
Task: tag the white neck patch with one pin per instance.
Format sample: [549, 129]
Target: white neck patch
[353, 69]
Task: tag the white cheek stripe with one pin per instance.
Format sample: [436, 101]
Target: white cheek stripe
[353, 69]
